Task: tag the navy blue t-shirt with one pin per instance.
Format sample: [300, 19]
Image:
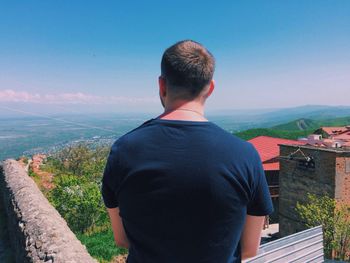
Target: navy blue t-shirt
[184, 189]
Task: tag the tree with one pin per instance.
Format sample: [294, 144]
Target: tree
[82, 160]
[335, 220]
[77, 197]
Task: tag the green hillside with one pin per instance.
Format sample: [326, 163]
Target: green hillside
[336, 122]
[294, 129]
[309, 124]
[252, 133]
[300, 124]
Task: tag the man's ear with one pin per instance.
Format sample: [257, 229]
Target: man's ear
[162, 86]
[211, 88]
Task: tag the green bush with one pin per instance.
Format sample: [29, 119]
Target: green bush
[79, 202]
[77, 174]
[31, 172]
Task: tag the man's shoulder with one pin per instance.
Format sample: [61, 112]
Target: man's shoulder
[233, 140]
[148, 130]
[126, 137]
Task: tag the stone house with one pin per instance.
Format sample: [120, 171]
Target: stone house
[310, 169]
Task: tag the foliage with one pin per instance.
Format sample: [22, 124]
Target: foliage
[101, 245]
[81, 160]
[252, 133]
[24, 159]
[31, 172]
[36, 179]
[319, 211]
[294, 129]
[312, 124]
[79, 202]
[300, 124]
[52, 165]
[77, 174]
[334, 219]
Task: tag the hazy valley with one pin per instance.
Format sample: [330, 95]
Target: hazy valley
[25, 135]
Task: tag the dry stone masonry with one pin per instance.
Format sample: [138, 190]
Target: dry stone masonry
[37, 231]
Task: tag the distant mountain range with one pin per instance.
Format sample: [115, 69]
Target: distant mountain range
[236, 121]
[309, 124]
[294, 129]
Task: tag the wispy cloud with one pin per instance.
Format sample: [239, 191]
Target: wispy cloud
[9, 95]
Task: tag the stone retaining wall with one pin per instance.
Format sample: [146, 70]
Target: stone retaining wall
[37, 231]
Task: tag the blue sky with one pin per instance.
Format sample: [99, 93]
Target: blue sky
[106, 54]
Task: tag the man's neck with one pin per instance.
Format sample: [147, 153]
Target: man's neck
[187, 111]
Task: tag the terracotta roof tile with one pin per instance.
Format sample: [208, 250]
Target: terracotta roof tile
[268, 148]
[271, 166]
[335, 130]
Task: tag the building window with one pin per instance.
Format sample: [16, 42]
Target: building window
[347, 165]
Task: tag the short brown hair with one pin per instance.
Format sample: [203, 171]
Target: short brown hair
[187, 67]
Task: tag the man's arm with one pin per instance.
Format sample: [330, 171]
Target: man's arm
[250, 239]
[117, 226]
[258, 207]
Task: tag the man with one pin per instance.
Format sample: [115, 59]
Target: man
[179, 188]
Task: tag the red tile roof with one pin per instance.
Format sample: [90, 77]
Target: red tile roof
[335, 130]
[271, 166]
[268, 150]
[345, 136]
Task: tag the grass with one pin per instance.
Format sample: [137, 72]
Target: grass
[101, 245]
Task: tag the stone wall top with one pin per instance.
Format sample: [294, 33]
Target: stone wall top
[38, 233]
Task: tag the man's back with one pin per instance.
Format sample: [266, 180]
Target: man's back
[183, 189]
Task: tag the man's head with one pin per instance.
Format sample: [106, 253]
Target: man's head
[187, 70]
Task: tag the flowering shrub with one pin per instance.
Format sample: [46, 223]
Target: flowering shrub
[79, 202]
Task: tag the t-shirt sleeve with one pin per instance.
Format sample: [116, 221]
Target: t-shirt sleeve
[260, 203]
[110, 179]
